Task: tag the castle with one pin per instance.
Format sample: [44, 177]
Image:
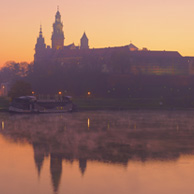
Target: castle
[42, 51]
[129, 58]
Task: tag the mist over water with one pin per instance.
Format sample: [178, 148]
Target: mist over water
[97, 152]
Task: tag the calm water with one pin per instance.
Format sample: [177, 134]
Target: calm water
[137, 152]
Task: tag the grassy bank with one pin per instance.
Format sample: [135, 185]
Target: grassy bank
[133, 103]
[116, 103]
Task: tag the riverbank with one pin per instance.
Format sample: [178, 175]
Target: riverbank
[84, 104]
[131, 103]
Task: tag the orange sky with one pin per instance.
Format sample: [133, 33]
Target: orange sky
[155, 24]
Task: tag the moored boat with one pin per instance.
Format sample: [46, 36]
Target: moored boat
[29, 104]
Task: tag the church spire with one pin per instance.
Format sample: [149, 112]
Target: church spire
[40, 45]
[58, 15]
[84, 42]
[40, 33]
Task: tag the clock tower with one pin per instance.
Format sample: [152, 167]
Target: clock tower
[58, 35]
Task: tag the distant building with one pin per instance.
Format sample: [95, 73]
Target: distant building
[190, 61]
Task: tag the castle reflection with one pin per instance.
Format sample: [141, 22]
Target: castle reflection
[42, 150]
[114, 137]
[56, 170]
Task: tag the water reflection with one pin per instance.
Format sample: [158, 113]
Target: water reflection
[82, 165]
[108, 126]
[88, 123]
[56, 170]
[2, 125]
[114, 138]
[40, 152]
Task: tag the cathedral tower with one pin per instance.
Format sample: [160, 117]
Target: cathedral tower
[84, 42]
[40, 46]
[58, 35]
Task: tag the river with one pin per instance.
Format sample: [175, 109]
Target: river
[137, 152]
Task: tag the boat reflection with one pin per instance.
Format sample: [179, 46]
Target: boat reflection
[114, 137]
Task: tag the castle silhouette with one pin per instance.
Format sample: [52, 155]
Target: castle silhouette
[41, 50]
[139, 61]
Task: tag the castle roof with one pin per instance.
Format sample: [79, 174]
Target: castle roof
[132, 46]
[162, 54]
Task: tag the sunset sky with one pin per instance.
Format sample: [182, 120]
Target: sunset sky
[154, 24]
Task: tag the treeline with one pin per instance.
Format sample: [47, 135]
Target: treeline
[13, 71]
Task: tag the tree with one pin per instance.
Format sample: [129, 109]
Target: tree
[12, 71]
[20, 88]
